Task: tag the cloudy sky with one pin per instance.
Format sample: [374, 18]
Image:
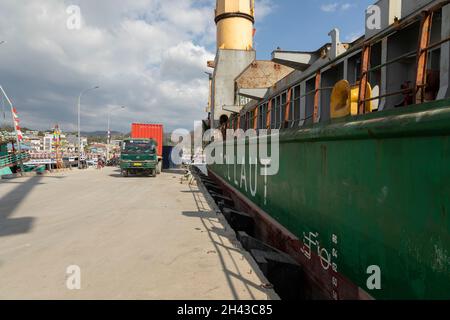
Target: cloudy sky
[148, 55]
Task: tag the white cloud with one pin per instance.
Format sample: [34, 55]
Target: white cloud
[146, 54]
[346, 6]
[263, 8]
[335, 6]
[330, 7]
[149, 55]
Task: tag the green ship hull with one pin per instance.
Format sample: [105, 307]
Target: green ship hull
[364, 197]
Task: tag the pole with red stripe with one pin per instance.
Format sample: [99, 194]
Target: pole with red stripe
[19, 136]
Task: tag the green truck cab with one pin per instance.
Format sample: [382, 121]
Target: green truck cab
[139, 156]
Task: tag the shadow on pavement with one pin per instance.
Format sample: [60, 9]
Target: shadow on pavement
[230, 267]
[131, 176]
[175, 171]
[10, 201]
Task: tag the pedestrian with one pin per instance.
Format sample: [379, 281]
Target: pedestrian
[99, 163]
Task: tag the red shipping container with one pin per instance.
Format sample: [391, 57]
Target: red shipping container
[149, 131]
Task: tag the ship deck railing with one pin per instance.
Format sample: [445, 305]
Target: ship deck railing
[13, 159]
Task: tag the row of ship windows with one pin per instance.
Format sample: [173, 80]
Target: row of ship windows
[401, 67]
[257, 118]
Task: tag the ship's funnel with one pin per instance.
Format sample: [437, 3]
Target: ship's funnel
[235, 24]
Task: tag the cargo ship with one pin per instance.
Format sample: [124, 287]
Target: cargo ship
[361, 193]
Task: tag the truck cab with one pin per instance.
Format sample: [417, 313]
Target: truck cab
[139, 156]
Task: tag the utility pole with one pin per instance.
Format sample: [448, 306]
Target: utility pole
[80, 152]
[108, 139]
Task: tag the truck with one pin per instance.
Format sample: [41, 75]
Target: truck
[139, 156]
[143, 152]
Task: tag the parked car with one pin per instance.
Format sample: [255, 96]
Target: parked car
[92, 162]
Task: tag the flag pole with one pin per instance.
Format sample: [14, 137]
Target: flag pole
[15, 130]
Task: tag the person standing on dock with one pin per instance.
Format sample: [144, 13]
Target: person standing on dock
[99, 163]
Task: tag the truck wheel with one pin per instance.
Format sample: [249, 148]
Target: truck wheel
[159, 168]
[154, 173]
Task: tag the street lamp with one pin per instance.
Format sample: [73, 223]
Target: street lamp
[79, 121]
[108, 140]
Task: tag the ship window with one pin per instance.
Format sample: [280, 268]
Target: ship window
[328, 81]
[433, 75]
[273, 113]
[282, 110]
[265, 107]
[401, 74]
[354, 69]
[273, 119]
[252, 122]
[260, 116]
[277, 113]
[310, 87]
[247, 116]
[434, 60]
[375, 76]
[258, 125]
[295, 109]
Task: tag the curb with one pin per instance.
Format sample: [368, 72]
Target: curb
[32, 174]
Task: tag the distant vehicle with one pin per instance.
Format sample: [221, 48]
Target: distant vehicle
[114, 162]
[154, 132]
[139, 156]
[82, 163]
[70, 161]
[92, 162]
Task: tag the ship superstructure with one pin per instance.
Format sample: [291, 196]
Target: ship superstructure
[363, 183]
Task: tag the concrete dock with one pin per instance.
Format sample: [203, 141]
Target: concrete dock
[132, 238]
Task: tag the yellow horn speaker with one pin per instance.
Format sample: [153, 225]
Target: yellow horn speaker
[344, 99]
[339, 100]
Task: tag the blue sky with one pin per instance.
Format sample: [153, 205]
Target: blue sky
[304, 24]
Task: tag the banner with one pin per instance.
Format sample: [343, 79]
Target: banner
[16, 125]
